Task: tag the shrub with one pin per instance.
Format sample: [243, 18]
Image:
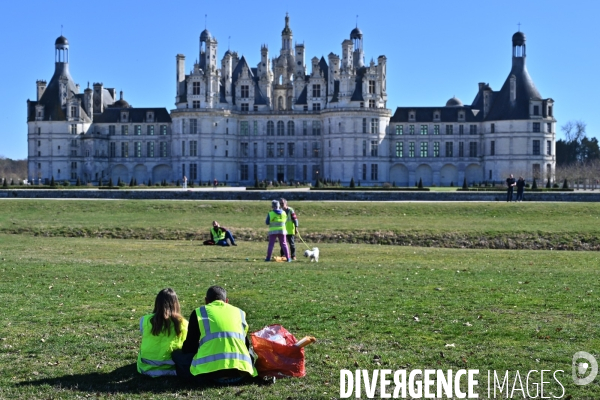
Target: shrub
[352, 184]
[4, 183]
[465, 184]
[394, 184]
[131, 183]
[452, 184]
[149, 182]
[256, 182]
[386, 185]
[556, 185]
[12, 182]
[135, 182]
[100, 181]
[420, 186]
[121, 183]
[52, 182]
[548, 185]
[78, 182]
[358, 183]
[66, 183]
[534, 184]
[565, 184]
[110, 182]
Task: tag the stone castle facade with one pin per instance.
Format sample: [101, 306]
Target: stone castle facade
[285, 120]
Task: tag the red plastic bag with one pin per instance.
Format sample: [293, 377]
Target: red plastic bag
[274, 357]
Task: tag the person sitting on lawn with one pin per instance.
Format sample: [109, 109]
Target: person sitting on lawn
[216, 348]
[162, 332]
[219, 236]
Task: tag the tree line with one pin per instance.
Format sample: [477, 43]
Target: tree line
[577, 157]
[13, 169]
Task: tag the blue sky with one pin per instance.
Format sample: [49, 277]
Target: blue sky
[435, 49]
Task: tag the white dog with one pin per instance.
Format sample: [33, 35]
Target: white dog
[313, 254]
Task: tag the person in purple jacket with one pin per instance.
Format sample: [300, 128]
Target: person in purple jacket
[276, 220]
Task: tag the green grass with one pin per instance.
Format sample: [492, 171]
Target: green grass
[457, 225]
[71, 305]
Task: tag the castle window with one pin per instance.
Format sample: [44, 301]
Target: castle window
[193, 148]
[548, 147]
[316, 106]
[472, 149]
[112, 152]
[270, 150]
[316, 149]
[245, 92]
[536, 126]
[150, 117]
[374, 125]
[473, 129]
[424, 149]
[424, 130]
[436, 149]
[280, 149]
[163, 149]
[124, 149]
[111, 129]
[550, 111]
[244, 149]
[150, 149]
[270, 172]
[316, 90]
[436, 129]
[196, 104]
[39, 131]
[449, 129]
[364, 125]
[193, 125]
[493, 128]
[371, 87]
[291, 128]
[374, 148]
[138, 130]
[150, 130]
[138, 149]
[244, 172]
[124, 130]
[536, 110]
[371, 103]
[399, 129]
[549, 127]
[362, 104]
[73, 111]
[305, 108]
[291, 149]
[449, 149]
[461, 129]
[183, 148]
[493, 148]
[193, 172]
[195, 88]
[280, 128]
[270, 128]
[364, 148]
[364, 172]
[244, 128]
[374, 172]
[411, 149]
[411, 129]
[245, 107]
[163, 129]
[39, 143]
[124, 117]
[399, 149]
[536, 147]
[316, 128]
[461, 149]
[74, 129]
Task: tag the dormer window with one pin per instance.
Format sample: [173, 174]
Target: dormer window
[536, 110]
[150, 117]
[411, 116]
[73, 111]
[550, 111]
[245, 91]
[461, 116]
[436, 116]
[124, 117]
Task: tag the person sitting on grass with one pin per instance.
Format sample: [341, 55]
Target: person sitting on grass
[219, 236]
[162, 332]
[216, 349]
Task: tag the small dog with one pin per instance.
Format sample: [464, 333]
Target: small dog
[313, 254]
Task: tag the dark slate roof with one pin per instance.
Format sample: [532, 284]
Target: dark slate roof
[136, 115]
[259, 98]
[51, 99]
[303, 96]
[358, 94]
[205, 35]
[447, 114]
[501, 108]
[325, 71]
[61, 40]
[356, 33]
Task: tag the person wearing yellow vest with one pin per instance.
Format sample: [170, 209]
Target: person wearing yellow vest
[276, 219]
[162, 332]
[291, 227]
[219, 236]
[216, 348]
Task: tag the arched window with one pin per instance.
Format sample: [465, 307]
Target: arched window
[291, 128]
[280, 128]
[270, 128]
[280, 103]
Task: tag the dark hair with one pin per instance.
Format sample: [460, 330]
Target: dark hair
[215, 293]
[166, 311]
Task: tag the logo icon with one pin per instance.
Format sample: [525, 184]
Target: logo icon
[580, 368]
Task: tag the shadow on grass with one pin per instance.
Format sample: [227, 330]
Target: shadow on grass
[125, 379]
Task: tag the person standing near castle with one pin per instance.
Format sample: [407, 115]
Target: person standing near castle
[291, 227]
[276, 219]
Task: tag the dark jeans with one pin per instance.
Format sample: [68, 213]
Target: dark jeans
[291, 241]
[183, 361]
[223, 242]
[509, 193]
[519, 195]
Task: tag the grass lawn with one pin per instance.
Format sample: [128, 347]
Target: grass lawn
[72, 294]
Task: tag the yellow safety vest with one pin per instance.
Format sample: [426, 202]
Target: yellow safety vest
[223, 330]
[217, 236]
[154, 358]
[277, 223]
[290, 227]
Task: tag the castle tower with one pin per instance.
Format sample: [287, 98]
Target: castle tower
[286, 37]
[356, 37]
